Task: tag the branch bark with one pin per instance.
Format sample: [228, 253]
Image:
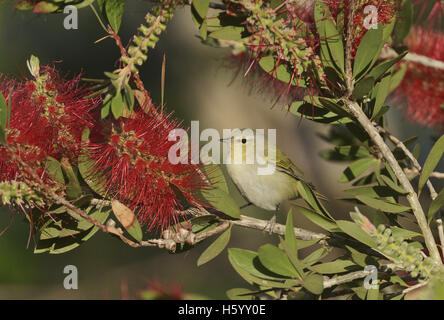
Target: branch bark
[412, 197]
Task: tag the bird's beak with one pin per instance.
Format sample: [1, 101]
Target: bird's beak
[224, 139]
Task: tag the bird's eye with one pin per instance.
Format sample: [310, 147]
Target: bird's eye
[244, 141]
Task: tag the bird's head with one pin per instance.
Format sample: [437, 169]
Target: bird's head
[243, 145]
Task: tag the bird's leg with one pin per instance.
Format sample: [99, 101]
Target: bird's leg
[246, 205]
[272, 222]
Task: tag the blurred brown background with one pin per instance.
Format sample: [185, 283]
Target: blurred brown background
[197, 88]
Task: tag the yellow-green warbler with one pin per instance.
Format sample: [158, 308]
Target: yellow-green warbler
[247, 156]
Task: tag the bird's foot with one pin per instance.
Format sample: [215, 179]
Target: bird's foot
[270, 225]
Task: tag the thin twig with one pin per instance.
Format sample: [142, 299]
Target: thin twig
[398, 143]
[412, 197]
[416, 286]
[389, 53]
[244, 221]
[346, 278]
[253, 223]
[349, 49]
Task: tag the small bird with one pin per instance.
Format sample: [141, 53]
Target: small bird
[266, 191]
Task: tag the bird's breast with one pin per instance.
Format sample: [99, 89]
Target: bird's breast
[264, 191]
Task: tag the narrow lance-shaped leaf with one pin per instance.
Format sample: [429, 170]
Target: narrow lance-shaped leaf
[128, 219]
[431, 162]
[215, 248]
[291, 245]
[276, 261]
[114, 12]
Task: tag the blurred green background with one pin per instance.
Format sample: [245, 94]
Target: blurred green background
[199, 86]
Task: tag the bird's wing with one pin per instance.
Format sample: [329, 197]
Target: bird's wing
[285, 165]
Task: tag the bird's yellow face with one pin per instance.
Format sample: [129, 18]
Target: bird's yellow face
[248, 148]
[242, 149]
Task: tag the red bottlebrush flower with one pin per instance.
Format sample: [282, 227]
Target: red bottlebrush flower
[155, 290]
[304, 10]
[431, 12]
[50, 112]
[134, 166]
[423, 87]
[386, 9]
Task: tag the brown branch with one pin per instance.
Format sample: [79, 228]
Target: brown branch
[389, 53]
[412, 197]
[253, 223]
[345, 278]
[148, 103]
[349, 81]
[398, 143]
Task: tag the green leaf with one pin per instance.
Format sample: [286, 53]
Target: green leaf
[105, 109]
[397, 77]
[3, 112]
[54, 169]
[353, 230]
[383, 67]
[383, 205]
[368, 49]
[389, 182]
[127, 219]
[404, 233]
[332, 50]
[4, 116]
[381, 92]
[333, 267]
[435, 206]
[314, 283]
[335, 46]
[360, 258]
[221, 201]
[317, 219]
[372, 191]
[114, 12]
[45, 7]
[315, 256]
[227, 33]
[356, 168]
[203, 30]
[343, 153]
[215, 248]
[240, 294]
[404, 23]
[201, 7]
[291, 245]
[86, 168]
[431, 162]
[248, 261]
[216, 176]
[117, 105]
[276, 261]
[363, 88]
[129, 96]
[73, 188]
[280, 72]
[56, 240]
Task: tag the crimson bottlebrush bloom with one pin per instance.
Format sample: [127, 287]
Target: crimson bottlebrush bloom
[423, 87]
[132, 162]
[50, 112]
[386, 9]
[431, 13]
[156, 290]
